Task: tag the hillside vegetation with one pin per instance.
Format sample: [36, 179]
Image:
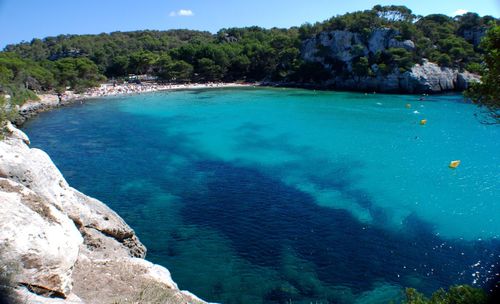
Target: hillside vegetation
[238, 54]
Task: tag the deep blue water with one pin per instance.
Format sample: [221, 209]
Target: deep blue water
[272, 196]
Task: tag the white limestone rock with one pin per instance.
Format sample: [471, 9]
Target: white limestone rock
[23, 295]
[16, 133]
[465, 78]
[379, 39]
[37, 239]
[34, 169]
[340, 45]
[45, 101]
[429, 77]
[406, 44]
[110, 280]
[154, 272]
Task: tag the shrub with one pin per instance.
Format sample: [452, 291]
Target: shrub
[444, 59]
[6, 113]
[461, 294]
[487, 92]
[474, 67]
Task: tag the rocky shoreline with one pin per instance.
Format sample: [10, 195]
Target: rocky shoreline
[58, 245]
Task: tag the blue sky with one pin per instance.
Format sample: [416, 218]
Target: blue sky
[26, 19]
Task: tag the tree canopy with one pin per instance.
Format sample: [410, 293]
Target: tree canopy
[487, 92]
[237, 54]
[461, 294]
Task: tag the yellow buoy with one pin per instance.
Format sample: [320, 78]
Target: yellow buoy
[454, 164]
[408, 106]
[423, 122]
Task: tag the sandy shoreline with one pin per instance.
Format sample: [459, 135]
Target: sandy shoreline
[50, 101]
[107, 89]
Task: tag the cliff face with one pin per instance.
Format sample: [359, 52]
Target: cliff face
[62, 246]
[335, 48]
[474, 35]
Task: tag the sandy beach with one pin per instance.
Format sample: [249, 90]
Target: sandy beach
[131, 88]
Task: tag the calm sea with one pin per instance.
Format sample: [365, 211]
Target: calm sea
[292, 196]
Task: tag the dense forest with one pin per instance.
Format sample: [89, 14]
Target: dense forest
[235, 54]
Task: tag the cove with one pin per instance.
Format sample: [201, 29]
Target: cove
[279, 195]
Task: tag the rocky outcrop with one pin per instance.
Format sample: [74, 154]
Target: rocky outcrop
[425, 78]
[33, 107]
[58, 242]
[38, 239]
[345, 45]
[337, 50]
[406, 44]
[34, 169]
[429, 77]
[465, 78]
[474, 35]
[342, 44]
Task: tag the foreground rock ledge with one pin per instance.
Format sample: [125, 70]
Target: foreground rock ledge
[58, 245]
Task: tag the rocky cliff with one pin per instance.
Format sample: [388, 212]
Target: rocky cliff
[58, 245]
[339, 50]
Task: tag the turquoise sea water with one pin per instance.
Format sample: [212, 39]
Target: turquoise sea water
[279, 195]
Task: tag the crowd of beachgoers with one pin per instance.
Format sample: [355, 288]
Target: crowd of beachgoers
[109, 89]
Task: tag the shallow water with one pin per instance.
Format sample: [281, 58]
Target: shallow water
[272, 195]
